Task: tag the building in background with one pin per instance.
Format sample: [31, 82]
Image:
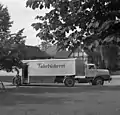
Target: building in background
[33, 52]
[79, 53]
[54, 52]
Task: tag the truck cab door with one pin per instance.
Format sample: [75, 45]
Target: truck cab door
[90, 71]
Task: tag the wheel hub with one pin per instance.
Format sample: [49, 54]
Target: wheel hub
[99, 82]
[70, 81]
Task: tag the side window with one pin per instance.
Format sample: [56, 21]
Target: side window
[91, 67]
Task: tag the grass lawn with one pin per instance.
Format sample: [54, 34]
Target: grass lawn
[82, 100]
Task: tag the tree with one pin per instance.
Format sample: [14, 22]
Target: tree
[5, 22]
[10, 44]
[86, 21]
[11, 51]
[44, 45]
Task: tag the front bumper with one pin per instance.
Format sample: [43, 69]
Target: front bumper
[107, 78]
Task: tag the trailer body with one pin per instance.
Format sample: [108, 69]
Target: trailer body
[52, 67]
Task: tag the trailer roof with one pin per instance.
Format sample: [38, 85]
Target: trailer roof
[25, 61]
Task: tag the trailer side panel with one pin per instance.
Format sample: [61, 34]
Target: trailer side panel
[52, 67]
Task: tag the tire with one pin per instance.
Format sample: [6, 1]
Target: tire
[13, 81]
[69, 82]
[17, 81]
[98, 81]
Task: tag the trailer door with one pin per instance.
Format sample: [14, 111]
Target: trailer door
[25, 74]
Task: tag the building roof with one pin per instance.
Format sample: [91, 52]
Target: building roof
[52, 50]
[33, 52]
[62, 54]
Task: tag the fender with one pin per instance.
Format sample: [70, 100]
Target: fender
[104, 77]
[67, 77]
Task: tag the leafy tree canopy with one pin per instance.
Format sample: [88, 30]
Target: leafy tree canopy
[79, 18]
[89, 23]
[44, 45]
[10, 43]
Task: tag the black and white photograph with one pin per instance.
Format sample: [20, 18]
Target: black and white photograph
[59, 57]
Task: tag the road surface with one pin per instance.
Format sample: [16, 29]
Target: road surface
[52, 99]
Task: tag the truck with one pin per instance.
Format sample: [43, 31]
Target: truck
[67, 71]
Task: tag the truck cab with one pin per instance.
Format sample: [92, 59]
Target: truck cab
[92, 71]
[96, 76]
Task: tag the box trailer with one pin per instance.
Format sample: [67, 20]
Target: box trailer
[66, 71]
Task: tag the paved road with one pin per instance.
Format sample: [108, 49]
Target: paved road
[115, 82]
[52, 99]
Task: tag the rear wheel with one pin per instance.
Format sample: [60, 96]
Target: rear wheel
[98, 81]
[13, 81]
[16, 81]
[69, 82]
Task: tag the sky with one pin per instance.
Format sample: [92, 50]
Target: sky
[23, 18]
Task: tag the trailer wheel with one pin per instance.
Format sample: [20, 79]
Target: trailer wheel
[17, 81]
[98, 81]
[13, 80]
[69, 82]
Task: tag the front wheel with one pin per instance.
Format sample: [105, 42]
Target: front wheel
[98, 81]
[69, 82]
